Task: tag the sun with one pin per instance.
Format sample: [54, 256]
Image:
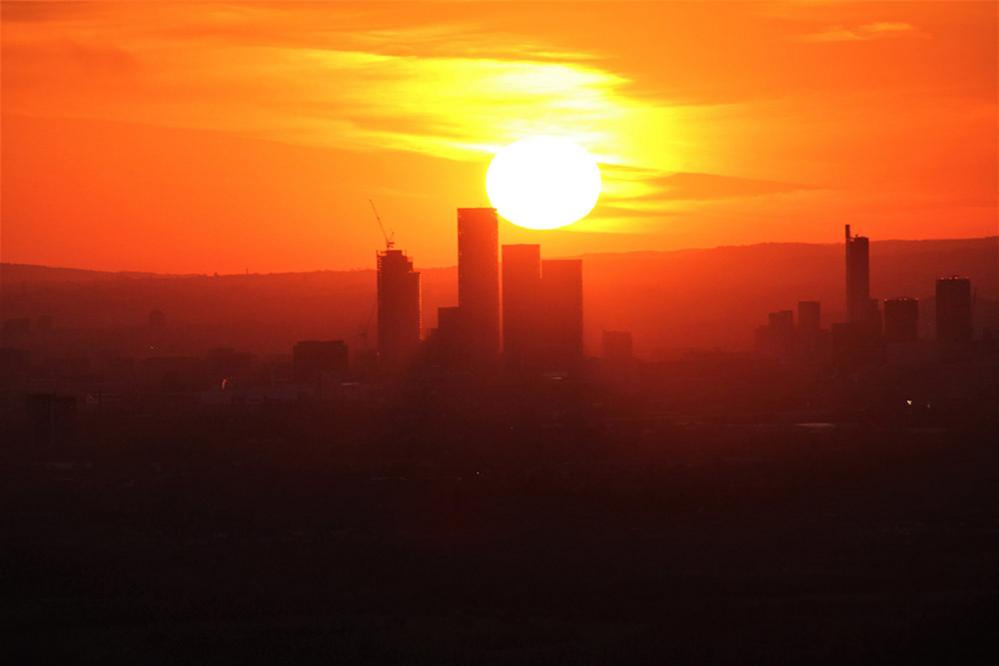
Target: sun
[543, 182]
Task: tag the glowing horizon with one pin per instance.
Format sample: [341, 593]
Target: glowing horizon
[154, 137]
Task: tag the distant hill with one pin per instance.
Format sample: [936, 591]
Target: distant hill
[685, 298]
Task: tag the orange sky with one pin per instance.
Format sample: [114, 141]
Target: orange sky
[203, 137]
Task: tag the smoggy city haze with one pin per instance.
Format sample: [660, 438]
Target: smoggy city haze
[169, 138]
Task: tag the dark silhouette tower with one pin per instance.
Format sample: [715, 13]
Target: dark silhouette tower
[901, 317]
[858, 278]
[521, 304]
[954, 310]
[478, 283]
[562, 305]
[398, 309]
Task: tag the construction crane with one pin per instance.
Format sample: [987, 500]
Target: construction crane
[389, 238]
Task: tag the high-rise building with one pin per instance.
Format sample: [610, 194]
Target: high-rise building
[858, 278]
[954, 310]
[478, 283]
[901, 319]
[398, 309]
[809, 317]
[562, 304]
[521, 304]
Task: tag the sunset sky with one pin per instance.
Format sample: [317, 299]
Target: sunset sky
[226, 137]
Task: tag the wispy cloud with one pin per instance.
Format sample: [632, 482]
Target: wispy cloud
[861, 33]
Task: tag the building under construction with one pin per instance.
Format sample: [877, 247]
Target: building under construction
[398, 309]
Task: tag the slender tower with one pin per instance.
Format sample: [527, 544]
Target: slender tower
[858, 278]
[478, 283]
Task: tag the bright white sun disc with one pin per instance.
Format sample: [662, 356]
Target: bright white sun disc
[543, 182]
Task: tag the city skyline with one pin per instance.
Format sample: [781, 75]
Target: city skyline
[511, 333]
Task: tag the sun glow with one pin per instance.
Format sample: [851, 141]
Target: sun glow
[543, 182]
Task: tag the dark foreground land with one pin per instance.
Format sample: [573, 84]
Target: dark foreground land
[535, 532]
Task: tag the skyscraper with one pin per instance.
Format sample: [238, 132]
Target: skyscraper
[521, 304]
[562, 304]
[858, 278]
[901, 317]
[954, 310]
[398, 309]
[478, 283]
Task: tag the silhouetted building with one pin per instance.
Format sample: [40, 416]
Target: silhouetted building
[953, 310]
[858, 278]
[617, 346]
[478, 283]
[809, 317]
[398, 309]
[312, 359]
[445, 340]
[562, 304]
[901, 320]
[521, 304]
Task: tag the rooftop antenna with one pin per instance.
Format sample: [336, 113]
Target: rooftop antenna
[389, 238]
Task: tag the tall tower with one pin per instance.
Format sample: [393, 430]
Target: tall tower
[398, 309]
[954, 310]
[562, 304]
[478, 283]
[858, 278]
[521, 304]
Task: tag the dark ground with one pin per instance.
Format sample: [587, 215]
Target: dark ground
[181, 534]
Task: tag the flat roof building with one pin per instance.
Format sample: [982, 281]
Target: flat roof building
[478, 283]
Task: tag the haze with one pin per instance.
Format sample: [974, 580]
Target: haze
[250, 136]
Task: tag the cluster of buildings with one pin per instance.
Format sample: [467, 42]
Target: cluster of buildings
[873, 328]
[521, 311]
